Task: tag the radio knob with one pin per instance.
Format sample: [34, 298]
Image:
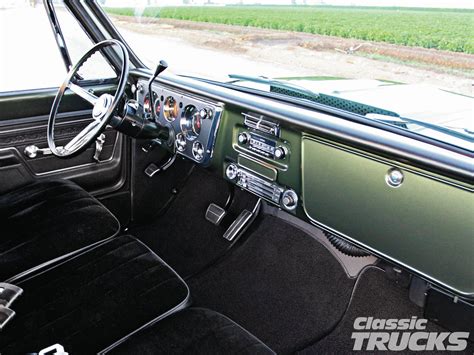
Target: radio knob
[243, 138]
[280, 152]
[289, 200]
[231, 171]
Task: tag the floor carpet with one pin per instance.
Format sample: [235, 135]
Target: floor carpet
[280, 284]
[375, 296]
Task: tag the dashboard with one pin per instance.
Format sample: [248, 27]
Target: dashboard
[389, 194]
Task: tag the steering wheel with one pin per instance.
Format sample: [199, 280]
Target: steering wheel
[103, 106]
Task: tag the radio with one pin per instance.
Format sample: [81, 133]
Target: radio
[286, 198]
[263, 146]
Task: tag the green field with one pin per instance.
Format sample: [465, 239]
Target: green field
[451, 30]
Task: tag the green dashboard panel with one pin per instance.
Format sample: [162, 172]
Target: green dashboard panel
[424, 224]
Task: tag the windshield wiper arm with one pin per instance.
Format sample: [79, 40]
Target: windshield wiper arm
[274, 83]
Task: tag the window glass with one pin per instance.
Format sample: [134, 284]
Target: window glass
[29, 56]
[405, 63]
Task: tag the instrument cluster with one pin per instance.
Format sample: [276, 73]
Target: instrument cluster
[193, 120]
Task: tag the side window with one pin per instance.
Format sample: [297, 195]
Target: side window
[29, 56]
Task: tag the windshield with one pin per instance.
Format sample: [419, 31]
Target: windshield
[415, 63]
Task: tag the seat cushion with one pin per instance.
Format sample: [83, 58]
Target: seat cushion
[45, 220]
[93, 300]
[196, 331]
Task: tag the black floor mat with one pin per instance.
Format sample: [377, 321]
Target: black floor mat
[281, 285]
[182, 236]
[378, 297]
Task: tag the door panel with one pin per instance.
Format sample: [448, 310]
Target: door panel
[13, 172]
[33, 103]
[23, 122]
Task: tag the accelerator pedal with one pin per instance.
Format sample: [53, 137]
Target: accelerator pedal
[238, 225]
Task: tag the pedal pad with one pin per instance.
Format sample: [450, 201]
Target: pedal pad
[9, 293]
[238, 225]
[151, 170]
[215, 214]
[6, 314]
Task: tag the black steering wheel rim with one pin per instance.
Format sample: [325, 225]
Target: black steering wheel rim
[104, 106]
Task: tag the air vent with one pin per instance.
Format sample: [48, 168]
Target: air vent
[261, 124]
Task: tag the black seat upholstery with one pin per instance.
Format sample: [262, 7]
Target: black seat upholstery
[193, 331]
[45, 220]
[93, 300]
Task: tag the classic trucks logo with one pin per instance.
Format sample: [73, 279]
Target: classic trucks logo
[403, 334]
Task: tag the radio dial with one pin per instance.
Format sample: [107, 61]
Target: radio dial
[243, 138]
[280, 152]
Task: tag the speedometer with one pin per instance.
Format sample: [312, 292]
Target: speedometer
[170, 109]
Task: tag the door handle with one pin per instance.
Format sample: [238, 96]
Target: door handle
[32, 151]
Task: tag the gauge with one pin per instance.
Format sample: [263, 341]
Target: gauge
[191, 122]
[180, 142]
[170, 109]
[157, 108]
[198, 151]
[146, 105]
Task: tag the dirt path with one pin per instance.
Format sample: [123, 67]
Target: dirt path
[193, 47]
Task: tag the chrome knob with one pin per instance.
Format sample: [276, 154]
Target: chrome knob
[203, 113]
[289, 200]
[231, 171]
[280, 152]
[243, 138]
[394, 178]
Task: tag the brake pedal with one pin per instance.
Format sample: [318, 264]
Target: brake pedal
[215, 214]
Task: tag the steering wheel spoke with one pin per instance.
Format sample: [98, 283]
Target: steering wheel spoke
[83, 93]
[90, 131]
[103, 106]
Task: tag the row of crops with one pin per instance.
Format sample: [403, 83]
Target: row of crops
[451, 30]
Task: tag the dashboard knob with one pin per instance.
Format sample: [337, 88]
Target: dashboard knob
[231, 171]
[203, 113]
[280, 152]
[289, 200]
[243, 138]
